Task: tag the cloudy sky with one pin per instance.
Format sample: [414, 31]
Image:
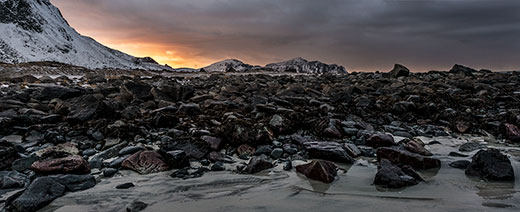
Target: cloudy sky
[361, 35]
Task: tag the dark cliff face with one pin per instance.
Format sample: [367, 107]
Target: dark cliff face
[20, 13]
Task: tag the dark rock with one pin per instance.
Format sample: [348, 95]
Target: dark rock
[213, 142]
[392, 176]
[109, 172]
[258, 163]
[145, 162]
[176, 159]
[460, 164]
[277, 153]
[136, 206]
[218, 166]
[75, 182]
[264, 149]
[130, 150]
[460, 69]
[352, 150]
[456, 154]
[470, 146]
[69, 165]
[328, 151]
[13, 179]
[399, 71]
[403, 107]
[288, 166]
[320, 170]
[125, 186]
[191, 109]
[245, 149]
[380, 140]
[41, 192]
[130, 113]
[403, 157]
[8, 155]
[491, 165]
[58, 92]
[136, 90]
[87, 107]
[23, 164]
[191, 149]
[416, 147]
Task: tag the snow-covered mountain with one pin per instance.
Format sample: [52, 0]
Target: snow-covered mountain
[300, 65]
[35, 30]
[229, 65]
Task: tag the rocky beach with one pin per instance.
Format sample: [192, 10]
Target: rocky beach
[151, 141]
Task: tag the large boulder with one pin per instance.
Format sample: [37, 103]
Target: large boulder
[491, 165]
[75, 182]
[258, 163]
[403, 157]
[40, 193]
[380, 140]
[68, 165]
[145, 162]
[399, 71]
[460, 69]
[87, 107]
[320, 170]
[328, 151]
[392, 176]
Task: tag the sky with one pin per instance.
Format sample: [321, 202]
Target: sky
[361, 35]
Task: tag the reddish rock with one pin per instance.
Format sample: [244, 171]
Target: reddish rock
[320, 170]
[403, 157]
[512, 132]
[69, 165]
[145, 162]
[416, 147]
[380, 140]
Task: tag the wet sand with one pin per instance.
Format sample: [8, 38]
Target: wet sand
[447, 189]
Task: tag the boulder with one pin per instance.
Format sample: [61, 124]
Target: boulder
[328, 151]
[176, 159]
[392, 176]
[399, 71]
[319, 170]
[136, 90]
[68, 165]
[13, 179]
[41, 192]
[460, 69]
[403, 157]
[145, 162]
[87, 107]
[491, 165]
[380, 140]
[258, 163]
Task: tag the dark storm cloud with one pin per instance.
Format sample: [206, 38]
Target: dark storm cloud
[359, 34]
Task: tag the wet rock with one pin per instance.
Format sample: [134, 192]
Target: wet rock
[23, 164]
[130, 150]
[491, 165]
[460, 164]
[13, 139]
[87, 107]
[176, 159]
[352, 150]
[403, 157]
[125, 186]
[13, 179]
[136, 206]
[8, 155]
[319, 170]
[277, 153]
[69, 165]
[380, 140]
[456, 154]
[399, 71]
[41, 192]
[109, 172]
[145, 162]
[245, 149]
[213, 142]
[470, 146]
[264, 149]
[258, 163]
[75, 182]
[96, 161]
[416, 147]
[218, 166]
[288, 166]
[328, 151]
[512, 132]
[392, 176]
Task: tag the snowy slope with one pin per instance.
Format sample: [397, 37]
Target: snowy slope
[230, 65]
[35, 30]
[300, 65]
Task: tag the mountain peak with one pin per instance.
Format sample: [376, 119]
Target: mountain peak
[35, 30]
